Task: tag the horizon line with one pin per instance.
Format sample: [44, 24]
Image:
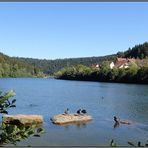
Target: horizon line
[61, 58]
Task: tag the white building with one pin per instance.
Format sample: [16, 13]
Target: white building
[112, 65]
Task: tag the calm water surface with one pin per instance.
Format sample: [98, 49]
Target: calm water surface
[49, 97]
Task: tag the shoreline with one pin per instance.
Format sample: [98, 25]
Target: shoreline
[73, 79]
[88, 80]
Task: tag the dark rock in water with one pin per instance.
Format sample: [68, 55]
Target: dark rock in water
[32, 105]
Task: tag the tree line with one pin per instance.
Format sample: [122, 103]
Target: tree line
[139, 51]
[133, 74]
[29, 67]
[12, 67]
[49, 67]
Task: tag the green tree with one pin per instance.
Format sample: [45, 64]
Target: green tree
[5, 103]
[132, 70]
[104, 71]
[113, 74]
[13, 133]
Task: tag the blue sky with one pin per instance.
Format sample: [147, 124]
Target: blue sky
[75, 29]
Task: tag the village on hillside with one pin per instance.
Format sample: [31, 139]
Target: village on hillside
[122, 63]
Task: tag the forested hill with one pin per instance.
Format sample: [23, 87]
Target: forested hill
[51, 66]
[22, 67]
[27, 67]
[139, 51]
[12, 67]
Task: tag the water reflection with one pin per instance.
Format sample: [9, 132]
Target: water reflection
[81, 125]
[143, 127]
[33, 105]
[116, 125]
[77, 125]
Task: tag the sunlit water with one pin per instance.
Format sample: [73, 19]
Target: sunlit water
[49, 97]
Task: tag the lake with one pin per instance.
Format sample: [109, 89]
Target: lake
[49, 97]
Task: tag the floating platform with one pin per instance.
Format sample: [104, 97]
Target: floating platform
[70, 118]
[23, 119]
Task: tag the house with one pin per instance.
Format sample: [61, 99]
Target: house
[112, 65]
[122, 63]
[121, 59]
[96, 66]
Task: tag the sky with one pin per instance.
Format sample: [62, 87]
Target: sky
[53, 30]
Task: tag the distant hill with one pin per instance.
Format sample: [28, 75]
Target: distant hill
[13, 67]
[51, 66]
[17, 67]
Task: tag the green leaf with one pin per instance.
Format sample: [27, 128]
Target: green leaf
[13, 101]
[6, 105]
[27, 127]
[12, 105]
[36, 135]
[131, 143]
[30, 132]
[114, 145]
[7, 95]
[39, 130]
[4, 112]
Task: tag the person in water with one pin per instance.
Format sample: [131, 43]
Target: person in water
[116, 120]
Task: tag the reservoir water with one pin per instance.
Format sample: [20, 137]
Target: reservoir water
[48, 97]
